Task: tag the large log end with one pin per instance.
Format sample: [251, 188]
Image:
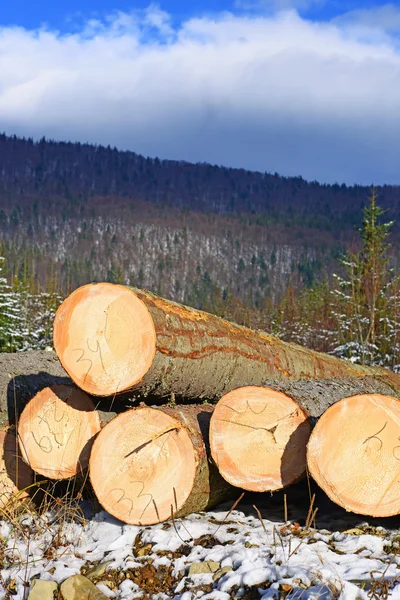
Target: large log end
[56, 430]
[354, 454]
[143, 466]
[105, 338]
[258, 438]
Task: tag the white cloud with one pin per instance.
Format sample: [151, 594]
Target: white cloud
[278, 5]
[159, 19]
[385, 18]
[276, 93]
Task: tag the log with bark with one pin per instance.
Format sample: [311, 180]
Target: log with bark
[258, 435]
[56, 430]
[150, 464]
[112, 338]
[22, 375]
[15, 475]
[354, 454]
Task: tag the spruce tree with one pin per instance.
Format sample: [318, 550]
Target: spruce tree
[367, 301]
[11, 319]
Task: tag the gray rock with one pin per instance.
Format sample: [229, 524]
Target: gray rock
[42, 590]
[208, 566]
[79, 587]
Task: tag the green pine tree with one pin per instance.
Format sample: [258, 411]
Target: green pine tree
[365, 309]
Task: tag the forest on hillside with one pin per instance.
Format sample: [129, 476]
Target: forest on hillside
[256, 248]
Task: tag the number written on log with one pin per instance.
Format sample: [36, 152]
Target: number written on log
[375, 436]
[57, 421]
[125, 498]
[272, 429]
[396, 451]
[96, 353]
[380, 443]
[160, 442]
[44, 443]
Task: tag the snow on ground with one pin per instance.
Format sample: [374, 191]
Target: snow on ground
[345, 557]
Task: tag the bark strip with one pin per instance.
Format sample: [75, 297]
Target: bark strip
[181, 350]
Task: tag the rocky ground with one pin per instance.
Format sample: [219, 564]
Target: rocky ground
[250, 552]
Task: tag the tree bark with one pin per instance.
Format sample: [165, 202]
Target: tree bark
[148, 464]
[354, 454]
[56, 430]
[24, 374]
[258, 435]
[111, 338]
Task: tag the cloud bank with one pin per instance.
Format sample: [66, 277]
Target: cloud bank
[271, 92]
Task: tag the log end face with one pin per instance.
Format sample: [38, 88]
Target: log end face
[143, 466]
[354, 454]
[258, 438]
[105, 338]
[56, 430]
[15, 474]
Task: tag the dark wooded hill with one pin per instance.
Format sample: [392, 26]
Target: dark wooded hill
[84, 213]
[49, 168]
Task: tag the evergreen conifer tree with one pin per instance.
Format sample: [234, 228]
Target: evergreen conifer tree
[367, 298]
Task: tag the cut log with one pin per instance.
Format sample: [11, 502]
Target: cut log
[258, 438]
[354, 454]
[258, 435]
[111, 338]
[148, 464]
[15, 475]
[56, 430]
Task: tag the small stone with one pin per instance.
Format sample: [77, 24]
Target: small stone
[42, 590]
[79, 587]
[354, 531]
[208, 566]
[145, 550]
[221, 572]
[98, 570]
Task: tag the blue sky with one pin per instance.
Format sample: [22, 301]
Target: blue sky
[298, 87]
[64, 14]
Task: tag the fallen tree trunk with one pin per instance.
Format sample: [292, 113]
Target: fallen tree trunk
[112, 338]
[354, 454]
[258, 435]
[24, 374]
[150, 464]
[56, 430]
[15, 475]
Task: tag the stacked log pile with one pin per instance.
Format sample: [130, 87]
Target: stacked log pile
[255, 431]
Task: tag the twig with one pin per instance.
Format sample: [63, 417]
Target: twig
[234, 505]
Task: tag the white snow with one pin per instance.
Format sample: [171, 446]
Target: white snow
[313, 563]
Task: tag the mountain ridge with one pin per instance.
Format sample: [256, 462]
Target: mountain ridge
[191, 232]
